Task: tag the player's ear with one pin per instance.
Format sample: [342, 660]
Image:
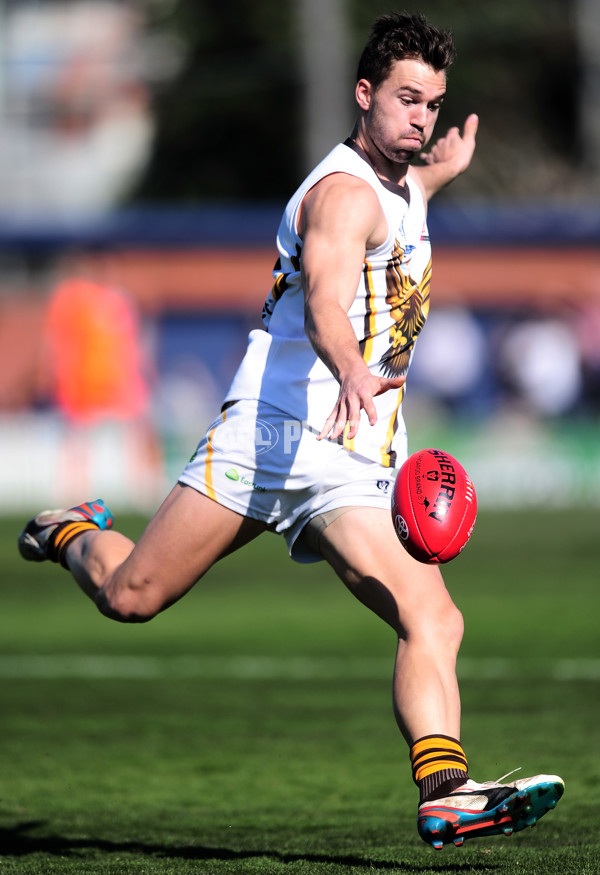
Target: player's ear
[364, 94]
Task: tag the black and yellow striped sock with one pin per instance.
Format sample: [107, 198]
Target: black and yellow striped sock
[64, 535]
[439, 765]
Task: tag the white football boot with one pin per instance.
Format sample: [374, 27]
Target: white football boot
[487, 809]
[36, 541]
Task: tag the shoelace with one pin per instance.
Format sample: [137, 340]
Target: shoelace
[508, 774]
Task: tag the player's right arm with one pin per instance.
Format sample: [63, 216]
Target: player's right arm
[340, 219]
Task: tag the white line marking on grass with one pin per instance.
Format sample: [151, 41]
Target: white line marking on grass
[127, 667]
[490, 668]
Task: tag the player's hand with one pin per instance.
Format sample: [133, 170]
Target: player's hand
[356, 394]
[455, 149]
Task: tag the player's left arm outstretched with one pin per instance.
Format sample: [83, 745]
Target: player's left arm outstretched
[447, 158]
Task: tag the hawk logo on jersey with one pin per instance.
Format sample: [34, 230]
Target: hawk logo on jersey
[409, 306]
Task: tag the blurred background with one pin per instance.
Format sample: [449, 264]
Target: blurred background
[147, 151]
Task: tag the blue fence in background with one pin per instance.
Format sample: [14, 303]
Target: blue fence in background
[256, 224]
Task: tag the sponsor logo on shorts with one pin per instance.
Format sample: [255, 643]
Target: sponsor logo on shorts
[265, 436]
[384, 485]
[255, 433]
[234, 475]
[259, 435]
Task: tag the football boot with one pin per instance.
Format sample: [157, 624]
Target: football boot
[487, 809]
[37, 541]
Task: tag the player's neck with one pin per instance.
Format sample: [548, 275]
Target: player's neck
[391, 175]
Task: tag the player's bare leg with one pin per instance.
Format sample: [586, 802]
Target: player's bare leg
[133, 582]
[363, 549]
[412, 598]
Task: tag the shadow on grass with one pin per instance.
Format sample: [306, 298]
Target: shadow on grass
[17, 842]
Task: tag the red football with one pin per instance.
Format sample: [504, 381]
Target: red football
[434, 506]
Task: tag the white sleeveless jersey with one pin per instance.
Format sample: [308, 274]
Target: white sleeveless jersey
[389, 310]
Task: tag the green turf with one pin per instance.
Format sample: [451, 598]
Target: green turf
[244, 749]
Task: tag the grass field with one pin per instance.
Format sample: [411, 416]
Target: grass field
[249, 728]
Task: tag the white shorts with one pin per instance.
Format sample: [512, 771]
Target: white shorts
[259, 462]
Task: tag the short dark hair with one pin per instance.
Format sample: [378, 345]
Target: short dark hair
[399, 35]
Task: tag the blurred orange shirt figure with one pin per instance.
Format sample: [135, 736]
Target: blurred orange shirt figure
[92, 332]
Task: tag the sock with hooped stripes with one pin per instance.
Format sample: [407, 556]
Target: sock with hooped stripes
[439, 765]
[63, 537]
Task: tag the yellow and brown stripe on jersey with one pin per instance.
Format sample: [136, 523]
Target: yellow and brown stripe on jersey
[280, 284]
[389, 456]
[369, 322]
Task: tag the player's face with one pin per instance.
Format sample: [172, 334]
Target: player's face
[400, 114]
